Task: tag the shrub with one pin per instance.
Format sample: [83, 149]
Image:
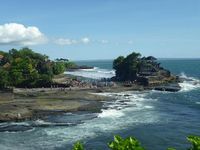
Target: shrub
[132, 143]
[78, 146]
[129, 143]
[195, 140]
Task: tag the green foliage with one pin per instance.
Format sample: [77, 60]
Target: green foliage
[15, 77]
[127, 68]
[118, 65]
[195, 141]
[69, 65]
[132, 143]
[26, 68]
[171, 149]
[58, 68]
[44, 80]
[45, 67]
[129, 143]
[78, 146]
[3, 78]
[117, 62]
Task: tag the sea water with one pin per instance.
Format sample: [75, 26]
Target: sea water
[157, 119]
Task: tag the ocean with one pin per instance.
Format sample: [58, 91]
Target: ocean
[157, 119]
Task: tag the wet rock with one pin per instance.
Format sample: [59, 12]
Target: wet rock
[169, 88]
[15, 128]
[127, 95]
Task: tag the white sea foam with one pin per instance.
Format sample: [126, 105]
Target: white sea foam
[125, 101]
[14, 123]
[117, 114]
[189, 83]
[111, 113]
[18, 123]
[148, 107]
[95, 73]
[41, 122]
[198, 103]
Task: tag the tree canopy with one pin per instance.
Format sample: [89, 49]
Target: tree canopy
[142, 70]
[127, 67]
[26, 68]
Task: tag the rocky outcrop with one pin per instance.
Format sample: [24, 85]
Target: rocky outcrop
[169, 87]
[145, 71]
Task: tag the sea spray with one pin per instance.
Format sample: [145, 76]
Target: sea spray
[189, 83]
[95, 73]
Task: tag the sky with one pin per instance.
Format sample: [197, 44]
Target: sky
[102, 29]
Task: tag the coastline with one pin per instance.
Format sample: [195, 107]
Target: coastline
[30, 104]
[35, 103]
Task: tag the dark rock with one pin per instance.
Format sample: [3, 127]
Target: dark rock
[169, 88]
[142, 81]
[126, 95]
[15, 128]
[126, 84]
[99, 90]
[165, 73]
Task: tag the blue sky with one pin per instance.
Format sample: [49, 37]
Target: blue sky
[103, 29]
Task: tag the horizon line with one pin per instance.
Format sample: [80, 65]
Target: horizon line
[159, 58]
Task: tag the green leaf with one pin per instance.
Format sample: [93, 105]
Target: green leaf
[195, 141]
[78, 146]
[129, 143]
[171, 148]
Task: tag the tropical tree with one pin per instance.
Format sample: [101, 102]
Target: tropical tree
[26, 68]
[58, 68]
[118, 64]
[3, 78]
[127, 68]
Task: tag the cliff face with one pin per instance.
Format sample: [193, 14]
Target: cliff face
[150, 73]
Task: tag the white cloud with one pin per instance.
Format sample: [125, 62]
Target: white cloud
[85, 40]
[67, 41]
[104, 41]
[62, 41]
[18, 34]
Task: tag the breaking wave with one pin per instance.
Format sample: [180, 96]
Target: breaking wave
[189, 83]
[95, 73]
[128, 109]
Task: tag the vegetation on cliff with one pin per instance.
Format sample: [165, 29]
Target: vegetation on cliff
[26, 68]
[139, 69]
[127, 67]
